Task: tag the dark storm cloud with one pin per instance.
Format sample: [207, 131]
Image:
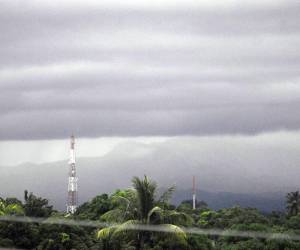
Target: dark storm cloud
[102, 71]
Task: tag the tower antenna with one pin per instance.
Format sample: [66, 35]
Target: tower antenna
[194, 193]
[72, 183]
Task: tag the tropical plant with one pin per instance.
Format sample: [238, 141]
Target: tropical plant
[36, 206]
[293, 203]
[139, 208]
[10, 209]
[137, 219]
[227, 217]
[93, 209]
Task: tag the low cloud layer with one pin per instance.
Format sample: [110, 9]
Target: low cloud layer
[141, 70]
[249, 164]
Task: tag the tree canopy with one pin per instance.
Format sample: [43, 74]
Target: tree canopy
[132, 214]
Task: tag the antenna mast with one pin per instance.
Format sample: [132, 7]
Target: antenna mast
[194, 193]
[72, 184]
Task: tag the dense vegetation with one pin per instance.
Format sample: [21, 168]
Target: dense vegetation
[125, 211]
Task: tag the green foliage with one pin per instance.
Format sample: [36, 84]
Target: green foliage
[6, 242]
[125, 206]
[145, 195]
[293, 203]
[64, 237]
[136, 211]
[251, 244]
[225, 218]
[208, 218]
[178, 218]
[23, 235]
[165, 198]
[199, 242]
[95, 208]
[139, 206]
[275, 244]
[170, 241]
[255, 227]
[36, 206]
[187, 206]
[105, 233]
[114, 215]
[12, 201]
[293, 222]
[277, 218]
[10, 209]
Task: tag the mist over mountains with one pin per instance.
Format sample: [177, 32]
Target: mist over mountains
[227, 179]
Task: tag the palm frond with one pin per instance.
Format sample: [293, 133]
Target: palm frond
[128, 225]
[145, 193]
[155, 210]
[120, 200]
[178, 218]
[167, 195]
[115, 215]
[105, 233]
[175, 232]
[127, 230]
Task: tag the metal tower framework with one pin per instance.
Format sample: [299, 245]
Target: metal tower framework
[194, 193]
[72, 185]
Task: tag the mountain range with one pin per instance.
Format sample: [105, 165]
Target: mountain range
[219, 184]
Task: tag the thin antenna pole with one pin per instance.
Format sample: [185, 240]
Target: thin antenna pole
[194, 193]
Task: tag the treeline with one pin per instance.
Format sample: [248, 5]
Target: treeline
[139, 218]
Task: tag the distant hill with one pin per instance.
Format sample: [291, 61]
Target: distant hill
[114, 170]
[266, 202]
[50, 180]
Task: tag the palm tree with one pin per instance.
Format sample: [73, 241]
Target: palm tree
[139, 210]
[293, 203]
[145, 190]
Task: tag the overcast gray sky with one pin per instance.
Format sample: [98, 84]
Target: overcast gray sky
[139, 69]
[145, 71]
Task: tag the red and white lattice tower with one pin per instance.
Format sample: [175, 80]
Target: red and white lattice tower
[72, 185]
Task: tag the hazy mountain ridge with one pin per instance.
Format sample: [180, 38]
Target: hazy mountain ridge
[226, 183]
[106, 174]
[266, 202]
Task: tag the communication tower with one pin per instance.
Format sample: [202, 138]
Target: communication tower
[72, 184]
[194, 193]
